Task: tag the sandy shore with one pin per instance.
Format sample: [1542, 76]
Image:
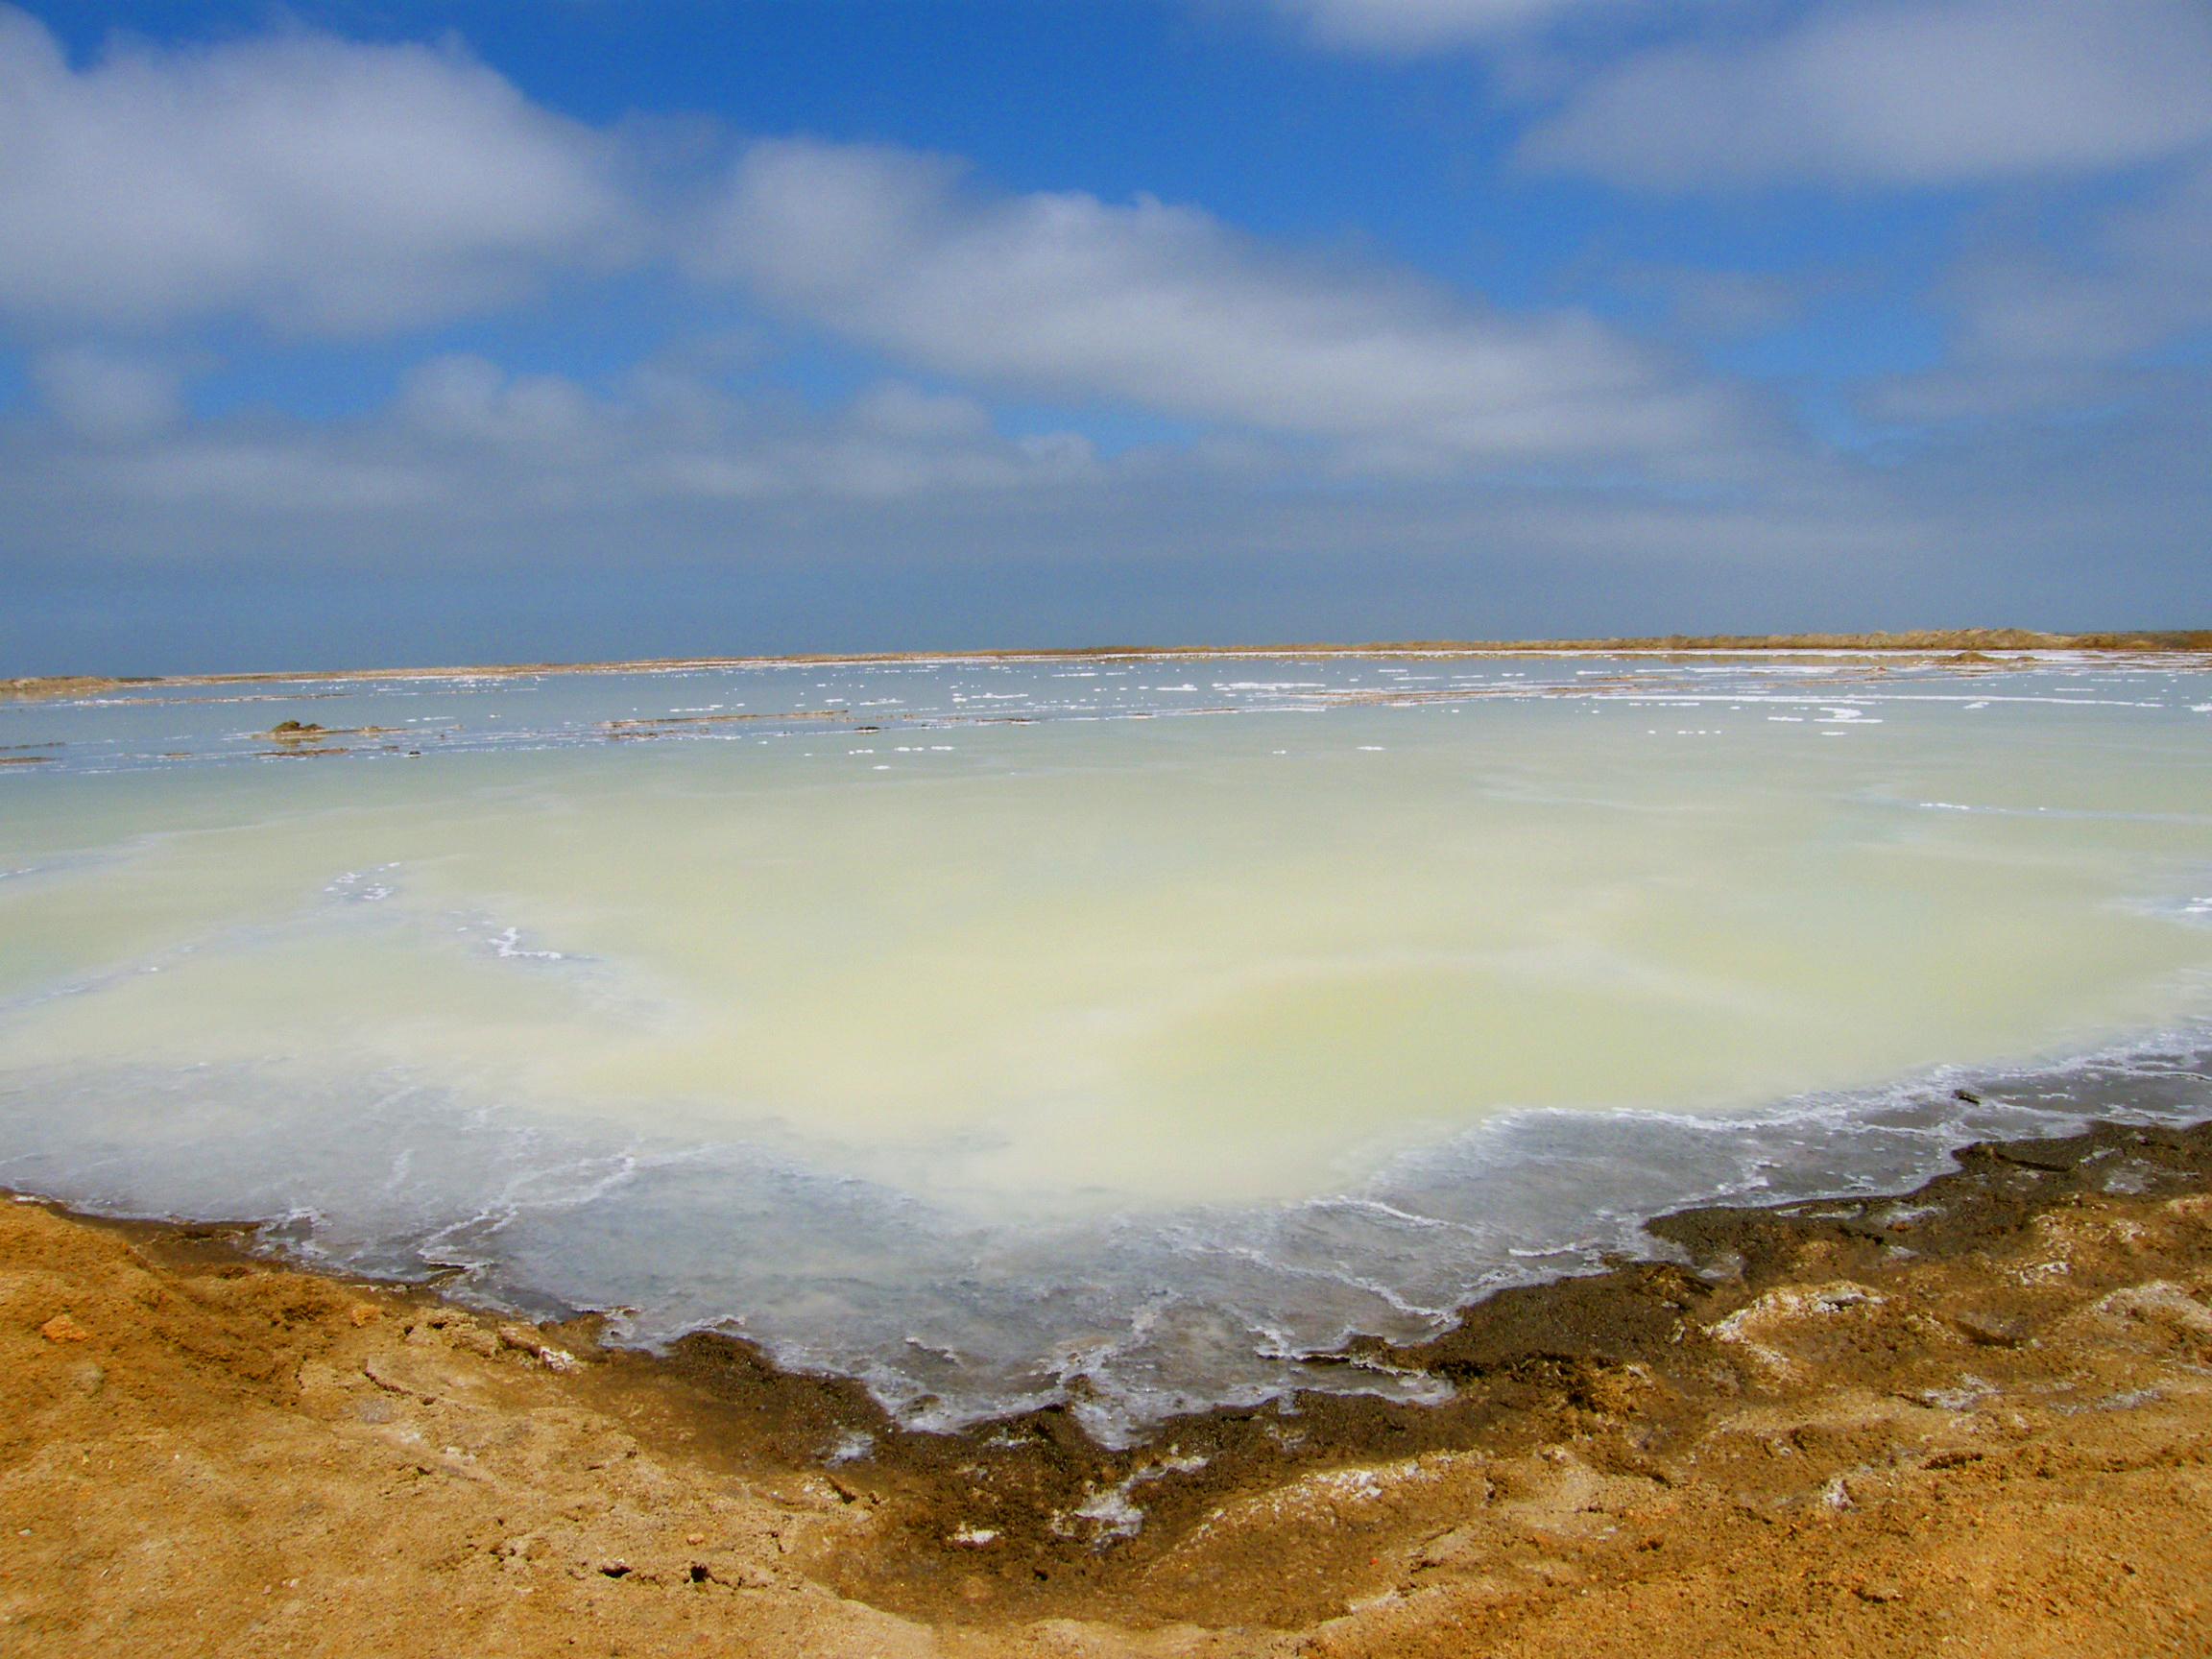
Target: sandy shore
[1976, 1420]
[1920, 642]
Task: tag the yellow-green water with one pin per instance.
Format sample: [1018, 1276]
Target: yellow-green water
[1176, 1042]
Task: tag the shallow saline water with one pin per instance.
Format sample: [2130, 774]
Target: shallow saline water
[1113, 1030]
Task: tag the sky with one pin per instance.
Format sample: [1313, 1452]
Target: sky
[381, 332]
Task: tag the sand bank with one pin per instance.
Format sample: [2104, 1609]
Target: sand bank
[1973, 1420]
[1918, 642]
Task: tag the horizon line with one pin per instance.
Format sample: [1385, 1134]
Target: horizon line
[1915, 642]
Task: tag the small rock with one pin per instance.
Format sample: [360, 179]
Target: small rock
[363, 1313]
[1968, 1394]
[64, 1329]
[521, 1336]
[1438, 1550]
[1879, 1590]
[1992, 1330]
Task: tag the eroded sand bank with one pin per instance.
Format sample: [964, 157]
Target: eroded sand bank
[1974, 1420]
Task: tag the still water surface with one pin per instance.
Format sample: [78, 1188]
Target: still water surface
[1114, 1029]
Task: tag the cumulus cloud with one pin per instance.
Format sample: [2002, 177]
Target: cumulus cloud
[462, 395]
[465, 436]
[2095, 524]
[2075, 316]
[1407, 26]
[1922, 94]
[107, 394]
[329, 187]
[1166, 308]
[1732, 305]
[315, 183]
[2138, 275]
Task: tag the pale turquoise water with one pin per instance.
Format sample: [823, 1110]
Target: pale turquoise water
[1152, 1022]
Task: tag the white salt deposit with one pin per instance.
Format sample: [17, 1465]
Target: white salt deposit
[951, 1025]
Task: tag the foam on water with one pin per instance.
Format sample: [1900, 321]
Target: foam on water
[977, 1029]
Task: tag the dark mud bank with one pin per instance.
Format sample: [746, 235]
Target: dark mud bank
[1027, 1517]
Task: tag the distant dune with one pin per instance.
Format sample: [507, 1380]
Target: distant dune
[1917, 640]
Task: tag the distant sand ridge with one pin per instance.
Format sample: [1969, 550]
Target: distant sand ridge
[1920, 642]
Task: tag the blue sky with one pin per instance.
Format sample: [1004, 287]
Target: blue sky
[571, 328]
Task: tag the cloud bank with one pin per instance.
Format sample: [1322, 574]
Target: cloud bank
[319, 186]
[1166, 307]
[315, 184]
[1912, 94]
[1409, 26]
[941, 374]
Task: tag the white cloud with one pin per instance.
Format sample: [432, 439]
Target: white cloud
[315, 183]
[1409, 26]
[1726, 306]
[233, 546]
[329, 187]
[2139, 275]
[462, 395]
[901, 410]
[2071, 318]
[1167, 308]
[1896, 94]
[297, 473]
[106, 395]
[465, 436]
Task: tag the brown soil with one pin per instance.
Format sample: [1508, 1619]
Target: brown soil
[1976, 1420]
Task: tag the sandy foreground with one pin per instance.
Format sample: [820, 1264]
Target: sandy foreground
[1976, 1420]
